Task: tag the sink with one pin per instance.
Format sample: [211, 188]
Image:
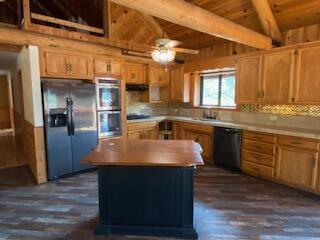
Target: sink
[206, 119]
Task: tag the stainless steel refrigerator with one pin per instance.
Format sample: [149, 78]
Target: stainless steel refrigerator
[70, 125]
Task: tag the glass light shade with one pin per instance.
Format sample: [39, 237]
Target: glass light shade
[163, 55]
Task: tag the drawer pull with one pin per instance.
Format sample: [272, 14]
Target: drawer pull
[257, 158]
[296, 143]
[257, 147]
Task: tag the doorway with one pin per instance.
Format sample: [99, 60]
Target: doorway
[10, 145]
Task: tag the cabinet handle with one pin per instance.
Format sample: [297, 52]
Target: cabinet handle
[296, 143]
[258, 94]
[292, 99]
[262, 94]
[110, 70]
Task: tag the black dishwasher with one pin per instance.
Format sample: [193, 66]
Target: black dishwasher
[227, 147]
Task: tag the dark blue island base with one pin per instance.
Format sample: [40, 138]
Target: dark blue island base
[144, 200]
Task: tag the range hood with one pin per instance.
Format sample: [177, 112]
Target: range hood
[136, 87]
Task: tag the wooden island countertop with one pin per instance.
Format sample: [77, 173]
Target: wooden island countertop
[166, 153]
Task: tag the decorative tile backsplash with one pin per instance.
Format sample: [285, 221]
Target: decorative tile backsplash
[293, 110]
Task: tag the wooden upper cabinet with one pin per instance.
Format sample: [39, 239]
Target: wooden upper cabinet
[80, 66]
[54, 64]
[179, 85]
[158, 76]
[135, 73]
[277, 77]
[248, 78]
[65, 65]
[307, 85]
[108, 67]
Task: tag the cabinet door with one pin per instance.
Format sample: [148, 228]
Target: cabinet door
[277, 77]
[176, 129]
[55, 64]
[204, 140]
[81, 67]
[101, 67]
[134, 135]
[115, 67]
[135, 73]
[151, 133]
[297, 166]
[176, 85]
[155, 75]
[308, 73]
[248, 75]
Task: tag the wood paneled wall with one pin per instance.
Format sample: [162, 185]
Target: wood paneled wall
[298, 35]
[35, 151]
[31, 147]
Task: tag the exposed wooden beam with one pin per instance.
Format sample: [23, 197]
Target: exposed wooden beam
[267, 19]
[188, 15]
[21, 37]
[153, 25]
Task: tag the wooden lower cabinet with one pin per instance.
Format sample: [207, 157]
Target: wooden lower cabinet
[258, 154]
[176, 130]
[293, 161]
[144, 130]
[297, 166]
[203, 135]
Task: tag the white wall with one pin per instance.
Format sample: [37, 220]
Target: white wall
[28, 62]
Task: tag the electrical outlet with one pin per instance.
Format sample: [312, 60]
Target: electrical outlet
[273, 118]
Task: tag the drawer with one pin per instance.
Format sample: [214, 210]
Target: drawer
[198, 128]
[259, 137]
[299, 142]
[259, 147]
[257, 170]
[141, 126]
[258, 158]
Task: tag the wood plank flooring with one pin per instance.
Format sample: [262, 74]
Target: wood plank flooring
[228, 205]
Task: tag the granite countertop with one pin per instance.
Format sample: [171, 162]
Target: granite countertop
[290, 131]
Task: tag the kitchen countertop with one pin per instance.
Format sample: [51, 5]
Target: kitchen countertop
[168, 153]
[290, 131]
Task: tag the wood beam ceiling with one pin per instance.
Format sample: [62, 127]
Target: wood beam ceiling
[152, 23]
[193, 17]
[267, 19]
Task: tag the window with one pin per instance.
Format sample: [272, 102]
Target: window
[218, 89]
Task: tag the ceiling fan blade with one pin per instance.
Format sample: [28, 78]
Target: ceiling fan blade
[185, 50]
[173, 43]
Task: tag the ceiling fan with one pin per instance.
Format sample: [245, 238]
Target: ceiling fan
[165, 49]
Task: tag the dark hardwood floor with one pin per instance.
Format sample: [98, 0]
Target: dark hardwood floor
[227, 206]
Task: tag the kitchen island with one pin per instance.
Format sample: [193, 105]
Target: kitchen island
[146, 186]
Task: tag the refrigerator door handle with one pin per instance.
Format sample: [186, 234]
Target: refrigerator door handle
[69, 117]
[72, 116]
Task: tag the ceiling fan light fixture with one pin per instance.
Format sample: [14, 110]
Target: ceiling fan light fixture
[163, 55]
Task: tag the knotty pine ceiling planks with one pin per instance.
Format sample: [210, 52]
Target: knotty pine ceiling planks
[289, 14]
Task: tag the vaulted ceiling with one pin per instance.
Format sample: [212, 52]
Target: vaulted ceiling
[127, 24]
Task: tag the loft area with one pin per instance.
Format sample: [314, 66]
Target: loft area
[11, 12]
[63, 14]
